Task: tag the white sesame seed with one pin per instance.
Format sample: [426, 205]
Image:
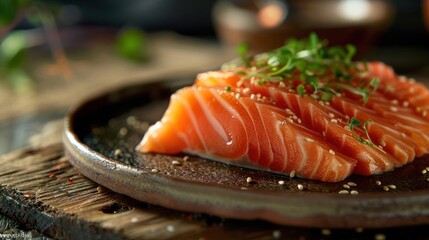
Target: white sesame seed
[176, 163]
[347, 128]
[131, 120]
[378, 183]
[352, 184]
[154, 170]
[289, 120]
[418, 109]
[243, 188]
[327, 103]
[394, 101]
[354, 192]
[386, 188]
[424, 113]
[309, 139]
[237, 95]
[249, 179]
[282, 84]
[334, 121]
[412, 80]
[427, 168]
[281, 182]
[123, 131]
[299, 120]
[294, 117]
[393, 109]
[405, 103]
[343, 192]
[331, 152]
[300, 187]
[288, 111]
[246, 90]
[292, 174]
[424, 171]
[324, 133]
[185, 158]
[391, 186]
[117, 152]
[427, 179]
[134, 220]
[331, 115]
[380, 236]
[170, 228]
[277, 234]
[326, 232]
[382, 142]
[252, 96]
[346, 186]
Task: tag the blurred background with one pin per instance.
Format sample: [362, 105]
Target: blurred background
[55, 53]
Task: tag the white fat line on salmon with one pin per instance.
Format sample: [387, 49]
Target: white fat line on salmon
[254, 128]
[318, 161]
[301, 141]
[279, 126]
[210, 117]
[194, 120]
[266, 133]
[232, 111]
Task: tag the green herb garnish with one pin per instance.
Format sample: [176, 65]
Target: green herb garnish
[354, 122]
[325, 70]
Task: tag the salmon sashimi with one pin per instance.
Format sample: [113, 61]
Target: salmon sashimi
[304, 109]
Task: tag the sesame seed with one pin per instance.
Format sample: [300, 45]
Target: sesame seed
[131, 120]
[292, 174]
[334, 121]
[324, 133]
[380, 236]
[347, 128]
[299, 120]
[346, 186]
[338, 95]
[343, 192]
[176, 163]
[237, 95]
[352, 184]
[134, 219]
[386, 188]
[154, 170]
[418, 109]
[327, 103]
[331, 152]
[412, 80]
[427, 168]
[185, 158]
[393, 109]
[405, 103]
[427, 179]
[281, 182]
[288, 111]
[331, 115]
[424, 171]
[354, 192]
[99, 189]
[243, 188]
[246, 90]
[282, 84]
[252, 96]
[289, 120]
[394, 101]
[277, 234]
[117, 152]
[309, 140]
[402, 79]
[249, 180]
[424, 113]
[170, 228]
[391, 186]
[283, 123]
[300, 187]
[326, 232]
[378, 183]
[382, 142]
[123, 131]
[294, 117]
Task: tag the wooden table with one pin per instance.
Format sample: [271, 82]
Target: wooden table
[44, 193]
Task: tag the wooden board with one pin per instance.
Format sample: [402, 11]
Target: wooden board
[42, 190]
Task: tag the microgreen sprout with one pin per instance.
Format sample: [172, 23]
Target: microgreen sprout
[354, 122]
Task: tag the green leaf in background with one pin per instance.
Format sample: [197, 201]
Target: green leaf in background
[12, 45]
[10, 8]
[131, 44]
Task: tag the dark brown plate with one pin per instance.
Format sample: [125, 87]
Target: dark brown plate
[97, 127]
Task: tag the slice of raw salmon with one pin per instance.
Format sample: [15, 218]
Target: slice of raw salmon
[227, 126]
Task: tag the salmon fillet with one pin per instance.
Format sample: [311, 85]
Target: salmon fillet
[273, 126]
